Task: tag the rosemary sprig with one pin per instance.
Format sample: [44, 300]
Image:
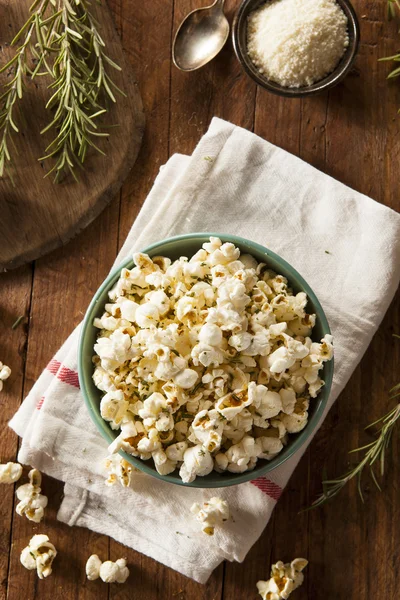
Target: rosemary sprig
[63, 37]
[393, 6]
[80, 78]
[374, 452]
[13, 92]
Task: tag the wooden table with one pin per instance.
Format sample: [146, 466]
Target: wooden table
[352, 134]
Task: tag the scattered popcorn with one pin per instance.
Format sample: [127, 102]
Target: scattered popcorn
[285, 578]
[205, 363]
[32, 502]
[108, 571]
[212, 513]
[93, 565]
[5, 373]
[39, 555]
[119, 470]
[114, 572]
[10, 472]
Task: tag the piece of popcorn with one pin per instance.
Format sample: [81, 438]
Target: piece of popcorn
[119, 470]
[221, 462]
[266, 404]
[270, 447]
[10, 472]
[39, 555]
[113, 408]
[295, 422]
[176, 451]
[196, 462]
[186, 378]
[102, 380]
[114, 572]
[207, 427]
[239, 455]
[210, 334]
[128, 439]
[203, 354]
[285, 578]
[32, 502]
[241, 341]
[128, 309]
[214, 244]
[288, 400]
[233, 403]
[150, 442]
[160, 300]
[236, 429]
[113, 350]
[285, 356]
[5, 373]
[212, 513]
[147, 315]
[93, 565]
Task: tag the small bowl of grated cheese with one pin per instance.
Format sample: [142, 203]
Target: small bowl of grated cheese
[205, 360]
[296, 48]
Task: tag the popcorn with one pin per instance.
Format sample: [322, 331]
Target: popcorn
[211, 513]
[266, 404]
[205, 363]
[10, 472]
[203, 354]
[186, 378]
[32, 502]
[113, 350]
[270, 447]
[39, 555]
[207, 427]
[128, 439]
[210, 334]
[114, 572]
[108, 571]
[240, 455]
[233, 403]
[175, 452]
[5, 373]
[119, 470]
[196, 462]
[147, 315]
[113, 408]
[285, 578]
[93, 565]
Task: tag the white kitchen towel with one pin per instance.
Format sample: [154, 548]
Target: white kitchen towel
[347, 247]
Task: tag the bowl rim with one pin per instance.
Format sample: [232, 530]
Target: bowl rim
[233, 478]
[341, 70]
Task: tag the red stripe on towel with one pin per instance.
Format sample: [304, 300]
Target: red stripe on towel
[53, 366]
[273, 490]
[40, 403]
[68, 376]
[63, 373]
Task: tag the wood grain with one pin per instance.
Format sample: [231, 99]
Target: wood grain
[352, 134]
[39, 215]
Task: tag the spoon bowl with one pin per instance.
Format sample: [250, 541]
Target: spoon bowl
[200, 37]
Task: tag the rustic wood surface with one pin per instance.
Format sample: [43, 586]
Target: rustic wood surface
[38, 215]
[352, 134]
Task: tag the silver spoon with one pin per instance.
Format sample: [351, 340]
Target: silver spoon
[200, 37]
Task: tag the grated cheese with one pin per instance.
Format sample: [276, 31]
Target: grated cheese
[297, 42]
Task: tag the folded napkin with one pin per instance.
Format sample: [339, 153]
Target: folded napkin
[345, 245]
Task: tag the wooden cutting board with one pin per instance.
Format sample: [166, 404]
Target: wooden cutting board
[36, 214]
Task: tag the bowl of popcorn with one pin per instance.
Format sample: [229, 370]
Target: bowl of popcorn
[205, 360]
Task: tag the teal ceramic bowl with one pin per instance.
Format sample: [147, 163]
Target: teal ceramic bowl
[187, 245]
